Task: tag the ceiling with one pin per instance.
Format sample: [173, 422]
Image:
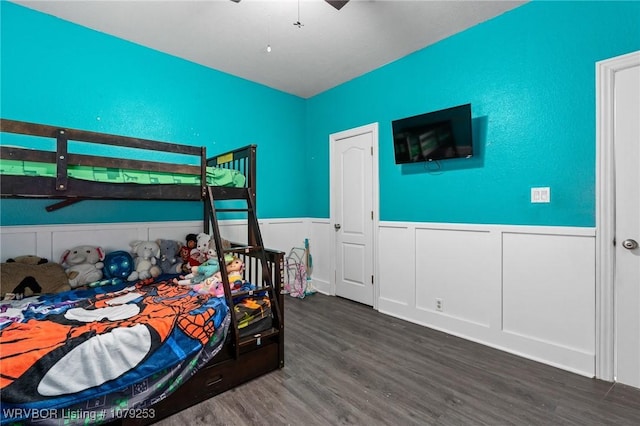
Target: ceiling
[331, 47]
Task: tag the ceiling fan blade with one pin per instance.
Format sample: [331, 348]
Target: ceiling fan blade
[338, 4]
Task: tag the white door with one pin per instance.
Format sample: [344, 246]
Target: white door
[352, 206]
[627, 225]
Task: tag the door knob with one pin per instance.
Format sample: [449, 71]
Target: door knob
[337, 226]
[630, 244]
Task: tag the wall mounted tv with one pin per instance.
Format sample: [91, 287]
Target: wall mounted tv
[433, 136]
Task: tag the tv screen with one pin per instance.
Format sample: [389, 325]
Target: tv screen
[434, 135]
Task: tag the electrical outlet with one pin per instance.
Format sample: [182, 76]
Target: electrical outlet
[438, 304]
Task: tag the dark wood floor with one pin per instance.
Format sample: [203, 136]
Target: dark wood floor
[347, 364]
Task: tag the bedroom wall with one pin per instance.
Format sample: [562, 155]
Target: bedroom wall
[59, 73]
[530, 77]
[511, 274]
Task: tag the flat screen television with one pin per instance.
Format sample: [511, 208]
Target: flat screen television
[436, 135]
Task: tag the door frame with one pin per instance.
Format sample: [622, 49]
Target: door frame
[605, 211]
[375, 187]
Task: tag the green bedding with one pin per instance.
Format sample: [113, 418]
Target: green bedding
[215, 176]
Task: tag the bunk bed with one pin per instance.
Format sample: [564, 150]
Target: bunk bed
[229, 339]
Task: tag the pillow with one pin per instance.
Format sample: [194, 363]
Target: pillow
[23, 276]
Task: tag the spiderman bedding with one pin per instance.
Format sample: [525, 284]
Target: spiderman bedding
[89, 356]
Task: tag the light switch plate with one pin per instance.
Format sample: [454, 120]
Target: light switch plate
[541, 195]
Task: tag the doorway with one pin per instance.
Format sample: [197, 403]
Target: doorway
[618, 220]
[354, 212]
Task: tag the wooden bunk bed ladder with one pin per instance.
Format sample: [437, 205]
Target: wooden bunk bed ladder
[256, 247]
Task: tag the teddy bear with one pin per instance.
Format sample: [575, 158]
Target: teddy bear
[201, 272]
[203, 243]
[145, 258]
[170, 259]
[83, 264]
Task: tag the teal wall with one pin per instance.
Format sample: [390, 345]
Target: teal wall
[530, 77]
[59, 73]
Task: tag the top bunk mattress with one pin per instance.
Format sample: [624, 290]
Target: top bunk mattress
[216, 176]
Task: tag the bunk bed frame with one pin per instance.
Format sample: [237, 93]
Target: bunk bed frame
[243, 357]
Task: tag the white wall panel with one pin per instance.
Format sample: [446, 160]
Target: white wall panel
[452, 267]
[483, 275]
[13, 244]
[397, 266]
[549, 288]
[526, 290]
[321, 239]
[51, 241]
[283, 234]
[172, 230]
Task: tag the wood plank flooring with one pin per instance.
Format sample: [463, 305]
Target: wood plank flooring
[347, 364]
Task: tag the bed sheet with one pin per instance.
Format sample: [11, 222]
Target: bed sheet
[88, 356]
[216, 176]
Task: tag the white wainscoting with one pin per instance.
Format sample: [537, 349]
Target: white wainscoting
[285, 234]
[523, 289]
[50, 241]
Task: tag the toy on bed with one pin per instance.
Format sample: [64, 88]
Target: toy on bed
[235, 269]
[83, 264]
[192, 254]
[211, 285]
[170, 260]
[118, 265]
[145, 258]
[202, 246]
[203, 243]
[184, 255]
[29, 275]
[201, 272]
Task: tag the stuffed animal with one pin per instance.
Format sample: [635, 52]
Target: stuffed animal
[192, 241]
[211, 285]
[145, 258]
[201, 272]
[194, 258]
[202, 246]
[28, 275]
[170, 260]
[118, 264]
[83, 265]
[184, 255]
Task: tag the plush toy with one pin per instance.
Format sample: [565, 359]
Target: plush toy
[118, 264]
[211, 285]
[194, 258]
[28, 275]
[145, 258]
[201, 272]
[202, 246]
[170, 260]
[235, 269]
[83, 265]
[192, 241]
[184, 255]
